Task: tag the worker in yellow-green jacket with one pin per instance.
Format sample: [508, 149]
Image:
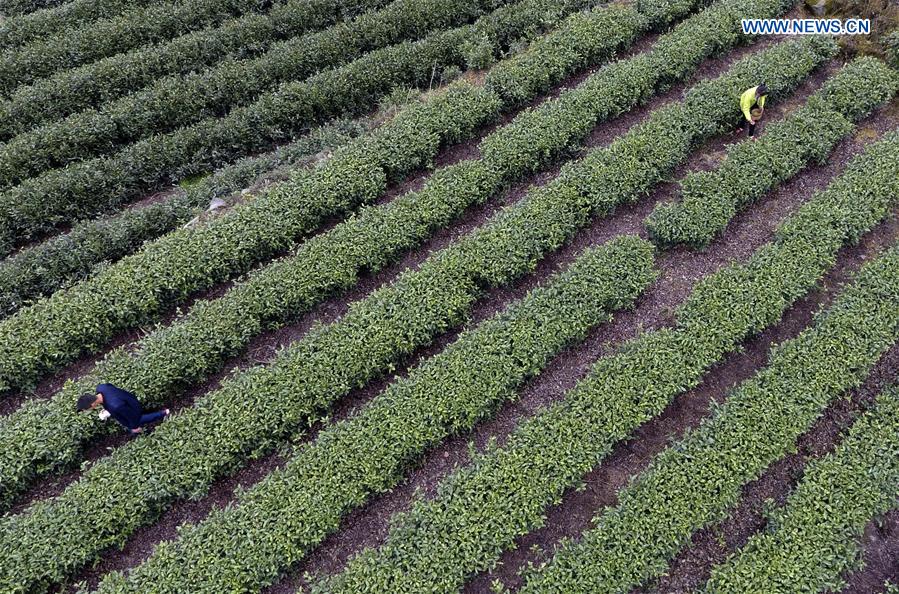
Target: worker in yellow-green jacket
[752, 104]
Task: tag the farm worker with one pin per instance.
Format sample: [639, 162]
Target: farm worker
[752, 104]
[121, 406]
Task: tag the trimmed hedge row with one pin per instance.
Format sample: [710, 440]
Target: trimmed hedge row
[174, 267]
[672, 58]
[41, 270]
[187, 352]
[814, 539]
[808, 135]
[308, 525]
[73, 90]
[891, 44]
[551, 57]
[137, 288]
[74, 47]
[633, 164]
[38, 15]
[480, 510]
[253, 411]
[693, 483]
[23, 7]
[180, 101]
[444, 395]
[87, 188]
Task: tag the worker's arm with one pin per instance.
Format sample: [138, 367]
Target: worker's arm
[746, 101]
[123, 417]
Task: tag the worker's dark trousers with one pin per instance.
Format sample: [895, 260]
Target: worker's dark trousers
[751, 127]
[151, 418]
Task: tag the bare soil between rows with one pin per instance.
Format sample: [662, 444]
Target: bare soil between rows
[692, 567]
[879, 554]
[570, 518]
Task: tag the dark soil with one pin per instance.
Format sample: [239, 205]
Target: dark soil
[880, 555]
[570, 518]
[692, 566]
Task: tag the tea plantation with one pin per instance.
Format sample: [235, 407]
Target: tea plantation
[447, 296]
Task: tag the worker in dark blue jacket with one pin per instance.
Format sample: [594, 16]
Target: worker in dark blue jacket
[122, 406]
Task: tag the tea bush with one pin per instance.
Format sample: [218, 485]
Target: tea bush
[177, 101]
[694, 483]
[71, 47]
[814, 539]
[258, 408]
[70, 91]
[87, 188]
[188, 351]
[481, 509]
[41, 270]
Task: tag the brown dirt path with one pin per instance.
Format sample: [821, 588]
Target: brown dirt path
[575, 513]
[691, 568]
[687, 570]
[880, 554]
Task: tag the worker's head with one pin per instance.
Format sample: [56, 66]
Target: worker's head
[88, 401]
[761, 90]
